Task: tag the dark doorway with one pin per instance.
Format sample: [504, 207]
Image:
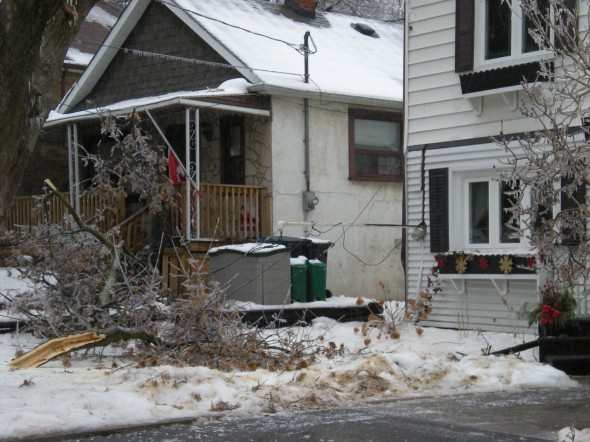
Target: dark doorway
[233, 160]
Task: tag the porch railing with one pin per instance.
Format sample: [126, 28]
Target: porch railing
[27, 212]
[228, 211]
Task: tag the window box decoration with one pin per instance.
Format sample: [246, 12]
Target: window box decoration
[474, 264]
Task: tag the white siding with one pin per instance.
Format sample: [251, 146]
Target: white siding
[436, 109]
[481, 306]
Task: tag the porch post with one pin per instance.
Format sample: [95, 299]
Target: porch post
[74, 167]
[192, 202]
[187, 196]
[197, 179]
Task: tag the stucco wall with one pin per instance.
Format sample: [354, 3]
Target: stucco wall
[363, 261]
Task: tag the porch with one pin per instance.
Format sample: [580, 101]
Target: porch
[219, 214]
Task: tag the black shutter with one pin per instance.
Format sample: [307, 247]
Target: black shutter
[570, 203]
[464, 32]
[572, 30]
[438, 183]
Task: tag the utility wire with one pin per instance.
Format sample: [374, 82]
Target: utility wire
[298, 47]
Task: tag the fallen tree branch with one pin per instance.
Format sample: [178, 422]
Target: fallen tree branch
[516, 348]
[57, 347]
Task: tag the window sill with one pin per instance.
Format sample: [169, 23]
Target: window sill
[394, 179]
[485, 266]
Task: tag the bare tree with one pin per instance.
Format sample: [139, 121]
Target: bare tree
[34, 38]
[386, 10]
[550, 166]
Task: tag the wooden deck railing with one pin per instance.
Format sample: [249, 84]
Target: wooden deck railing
[27, 211]
[229, 211]
[135, 230]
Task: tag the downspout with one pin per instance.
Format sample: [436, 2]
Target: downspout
[309, 199]
[306, 113]
[405, 147]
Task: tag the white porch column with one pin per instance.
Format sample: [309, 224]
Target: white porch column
[74, 167]
[192, 221]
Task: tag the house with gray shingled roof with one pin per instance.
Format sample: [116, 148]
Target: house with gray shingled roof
[288, 119]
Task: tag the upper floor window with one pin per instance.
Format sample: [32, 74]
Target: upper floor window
[375, 146]
[492, 34]
[506, 31]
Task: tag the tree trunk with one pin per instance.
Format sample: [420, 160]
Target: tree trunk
[34, 38]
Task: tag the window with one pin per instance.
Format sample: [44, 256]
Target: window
[375, 151]
[485, 219]
[505, 35]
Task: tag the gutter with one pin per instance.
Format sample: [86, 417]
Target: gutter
[326, 96]
[94, 114]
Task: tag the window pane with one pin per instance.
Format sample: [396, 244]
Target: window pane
[389, 166]
[376, 135]
[528, 43]
[479, 219]
[366, 165]
[498, 26]
[507, 201]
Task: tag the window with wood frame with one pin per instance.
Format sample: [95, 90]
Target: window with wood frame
[375, 146]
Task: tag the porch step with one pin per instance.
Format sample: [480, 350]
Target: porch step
[573, 365]
[580, 327]
[563, 346]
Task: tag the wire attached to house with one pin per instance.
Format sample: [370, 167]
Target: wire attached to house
[297, 47]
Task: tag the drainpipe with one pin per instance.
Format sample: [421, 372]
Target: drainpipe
[309, 198]
[306, 112]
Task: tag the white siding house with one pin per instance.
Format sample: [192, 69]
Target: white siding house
[457, 98]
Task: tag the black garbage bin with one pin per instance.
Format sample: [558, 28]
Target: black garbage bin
[318, 249]
[296, 246]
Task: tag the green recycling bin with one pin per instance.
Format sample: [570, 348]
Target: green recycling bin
[316, 276]
[299, 279]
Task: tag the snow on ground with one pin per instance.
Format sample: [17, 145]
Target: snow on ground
[109, 391]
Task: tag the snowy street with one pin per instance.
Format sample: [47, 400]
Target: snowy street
[527, 415]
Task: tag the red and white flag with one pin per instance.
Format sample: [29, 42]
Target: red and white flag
[176, 171]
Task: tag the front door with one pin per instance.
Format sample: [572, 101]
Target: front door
[233, 161]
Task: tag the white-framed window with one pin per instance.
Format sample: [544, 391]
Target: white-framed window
[503, 36]
[480, 215]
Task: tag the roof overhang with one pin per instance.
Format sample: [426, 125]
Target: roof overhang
[116, 38]
[141, 105]
[266, 89]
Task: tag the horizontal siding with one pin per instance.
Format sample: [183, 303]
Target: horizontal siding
[469, 131]
[431, 67]
[483, 307]
[446, 36]
[430, 10]
[434, 51]
[429, 82]
[437, 110]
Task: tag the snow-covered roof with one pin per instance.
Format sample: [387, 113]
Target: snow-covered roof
[96, 26]
[262, 39]
[228, 88]
[265, 37]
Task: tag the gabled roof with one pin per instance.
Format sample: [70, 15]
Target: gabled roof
[262, 39]
[96, 26]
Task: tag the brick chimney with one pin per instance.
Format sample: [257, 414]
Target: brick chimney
[304, 8]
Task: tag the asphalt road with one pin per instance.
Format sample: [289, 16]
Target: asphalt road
[527, 415]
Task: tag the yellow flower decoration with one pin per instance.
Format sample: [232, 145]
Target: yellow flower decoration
[461, 264]
[505, 265]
